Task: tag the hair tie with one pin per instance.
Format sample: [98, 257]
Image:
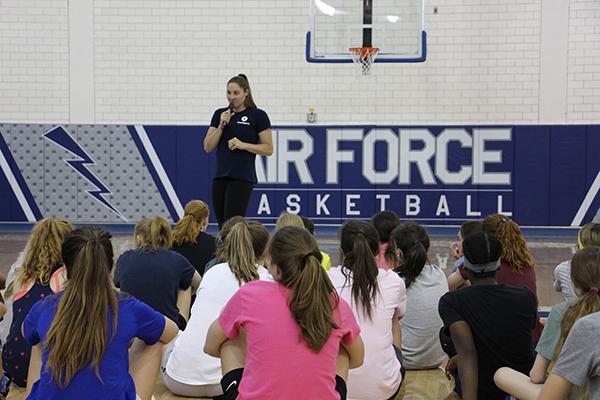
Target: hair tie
[502, 220]
[308, 255]
[416, 242]
[594, 289]
[189, 213]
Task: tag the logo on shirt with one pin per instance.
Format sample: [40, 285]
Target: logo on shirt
[244, 120]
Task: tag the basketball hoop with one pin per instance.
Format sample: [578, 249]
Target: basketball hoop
[364, 57]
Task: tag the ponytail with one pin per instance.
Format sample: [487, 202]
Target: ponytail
[412, 240]
[153, 233]
[313, 298]
[359, 243]
[514, 247]
[191, 224]
[238, 251]
[77, 336]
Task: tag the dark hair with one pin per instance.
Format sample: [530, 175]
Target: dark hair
[385, 222]
[308, 224]
[470, 227]
[77, 337]
[294, 250]
[413, 241]
[482, 248]
[242, 81]
[359, 244]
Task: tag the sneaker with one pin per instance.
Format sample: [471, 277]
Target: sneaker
[5, 385]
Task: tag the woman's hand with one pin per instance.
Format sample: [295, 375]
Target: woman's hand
[237, 144]
[225, 118]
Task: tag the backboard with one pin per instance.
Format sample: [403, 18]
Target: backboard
[395, 27]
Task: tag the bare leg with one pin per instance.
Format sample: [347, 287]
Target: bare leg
[517, 384]
[144, 365]
[342, 364]
[184, 301]
[233, 353]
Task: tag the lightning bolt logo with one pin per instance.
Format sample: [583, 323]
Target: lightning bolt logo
[64, 139]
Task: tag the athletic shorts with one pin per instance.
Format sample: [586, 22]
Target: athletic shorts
[231, 381]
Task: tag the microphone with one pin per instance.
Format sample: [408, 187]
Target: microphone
[230, 109]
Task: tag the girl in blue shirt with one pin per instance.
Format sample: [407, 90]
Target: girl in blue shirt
[81, 337]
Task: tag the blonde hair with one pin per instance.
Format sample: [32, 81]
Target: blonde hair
[191, 224]
[77, 336]
[589, 235]
[43, 250]
[153, 233]
[288, 219]
[514, 247]
[243, 245]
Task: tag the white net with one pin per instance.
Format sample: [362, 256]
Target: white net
[364, 58]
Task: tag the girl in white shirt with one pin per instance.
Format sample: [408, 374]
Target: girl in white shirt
[378, 299]
[188, 371]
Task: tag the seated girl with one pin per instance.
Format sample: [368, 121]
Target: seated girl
[82, 335]
[188, 371]
[40, 275]
[378, 300]
[425, 284]
[156, 275]
[289, 339]
[585, 275]
[190, 238]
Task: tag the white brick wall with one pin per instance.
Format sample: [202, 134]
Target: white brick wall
[167, 61]
[583, 90]
[34, 64]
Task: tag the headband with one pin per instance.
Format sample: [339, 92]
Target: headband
[478, 268]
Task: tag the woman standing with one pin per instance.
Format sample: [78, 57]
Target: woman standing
[238, 132]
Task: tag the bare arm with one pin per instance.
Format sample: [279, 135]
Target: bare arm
[35, 365]
[455, 281]
[196, 279]
[356, 352]
[555, 388]
[539, 369]
[214, 339]
[213, 135]
[462, 337]
[171, 330]
[211, 140]
[264, 148]
[396, 332]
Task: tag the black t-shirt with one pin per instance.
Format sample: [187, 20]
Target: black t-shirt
[198, 253]
[155, 278]
[502, 319]
[245, 125]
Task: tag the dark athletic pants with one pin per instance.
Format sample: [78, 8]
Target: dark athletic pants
[230, 197]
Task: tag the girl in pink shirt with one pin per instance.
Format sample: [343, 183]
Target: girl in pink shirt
[378, 299]
[289, 339]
